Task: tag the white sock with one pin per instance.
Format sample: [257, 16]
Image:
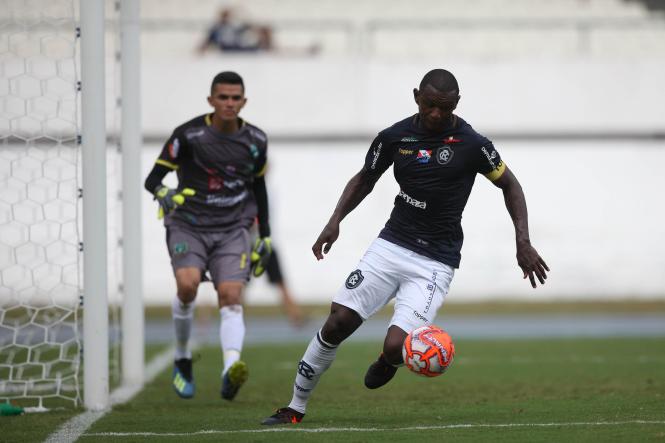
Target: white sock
[183, 317]
[231, 334]
[317, 359]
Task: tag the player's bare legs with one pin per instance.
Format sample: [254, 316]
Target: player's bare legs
[340, 324]
[318, 357]
[231, 336]
[392, 345]
[383, 369]
[187, 283]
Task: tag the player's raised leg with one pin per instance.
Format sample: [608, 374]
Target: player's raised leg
[318, 357]
[187, 280]
[384, 368]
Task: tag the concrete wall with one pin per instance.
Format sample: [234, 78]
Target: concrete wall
[347, 96]
[596, 212]
[596, 215]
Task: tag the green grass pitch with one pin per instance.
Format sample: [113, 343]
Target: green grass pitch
[507, 390]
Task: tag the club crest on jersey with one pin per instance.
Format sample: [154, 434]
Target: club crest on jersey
[354, 279]
[424, 155]
[444, 154]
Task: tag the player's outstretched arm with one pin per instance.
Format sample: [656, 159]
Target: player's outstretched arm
[528, 258]
[355, 191]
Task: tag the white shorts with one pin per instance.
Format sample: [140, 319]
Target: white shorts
[419, 285]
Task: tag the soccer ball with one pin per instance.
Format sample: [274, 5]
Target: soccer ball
[428, 351]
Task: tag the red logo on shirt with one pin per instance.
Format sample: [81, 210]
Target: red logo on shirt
[451, 139]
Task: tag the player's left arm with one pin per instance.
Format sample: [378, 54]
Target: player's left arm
[261, 196]
[262, 249]
[528, 258]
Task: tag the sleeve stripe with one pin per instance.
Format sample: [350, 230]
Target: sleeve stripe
[262, 172]
[167, 164]
[496, 173]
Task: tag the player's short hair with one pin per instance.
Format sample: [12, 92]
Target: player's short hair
[441, 80]
[228, 78]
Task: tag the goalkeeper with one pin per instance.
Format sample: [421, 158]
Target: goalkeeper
[220, 160]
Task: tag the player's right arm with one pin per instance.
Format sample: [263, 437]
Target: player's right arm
[167, 161]
[355, 191]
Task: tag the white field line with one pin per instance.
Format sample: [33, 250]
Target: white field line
[406, 429]
[72, 429]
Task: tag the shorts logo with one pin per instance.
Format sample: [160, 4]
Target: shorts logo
[418, 315]
[354, 279]
[180, 248]
[424, 155]
[444, 154]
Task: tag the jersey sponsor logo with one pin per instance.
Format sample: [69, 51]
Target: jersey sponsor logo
[490, 156]
[412, 201]
[259, 134]
[444, 154]
[406, 151]
[354, 279]
[222, 202]
[452, 139]
[215, 183]
[377, 153]
[409, 139]
[424, 155]
[234, 184]
[174, 148]
[254, 150]
[194, 134]
[306, 370]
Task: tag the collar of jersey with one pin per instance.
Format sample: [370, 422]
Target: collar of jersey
[208, 121]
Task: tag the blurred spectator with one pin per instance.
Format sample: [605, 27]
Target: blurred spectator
[230, 35]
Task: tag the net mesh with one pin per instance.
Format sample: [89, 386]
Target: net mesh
[39, 204]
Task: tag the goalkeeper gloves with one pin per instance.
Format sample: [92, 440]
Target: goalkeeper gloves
[260, 255]
[169, 199]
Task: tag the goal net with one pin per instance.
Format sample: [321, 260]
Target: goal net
[41, 243]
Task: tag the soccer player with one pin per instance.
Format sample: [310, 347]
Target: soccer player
[435, 156]
[220, 160]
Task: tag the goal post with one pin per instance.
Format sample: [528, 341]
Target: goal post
[93, 136]
[131, 142]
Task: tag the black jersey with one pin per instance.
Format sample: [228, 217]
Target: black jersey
[435, 173]
[220, 168]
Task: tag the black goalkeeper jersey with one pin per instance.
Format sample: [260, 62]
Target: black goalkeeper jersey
[435, 173]
[220, 168]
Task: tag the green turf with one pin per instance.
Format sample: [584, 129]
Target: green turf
[38, 426]
[490, 383]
